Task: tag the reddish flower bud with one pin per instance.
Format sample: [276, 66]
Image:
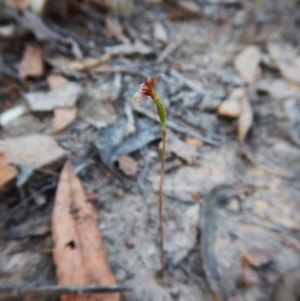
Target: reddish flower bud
[147, 90]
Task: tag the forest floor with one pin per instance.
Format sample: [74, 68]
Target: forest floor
[231, 88]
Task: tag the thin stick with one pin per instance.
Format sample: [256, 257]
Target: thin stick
[160, 203]
[57, 289]
[177, 126]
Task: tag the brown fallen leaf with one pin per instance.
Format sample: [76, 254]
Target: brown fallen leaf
[32, 62]
[63, 117]
[17, 4]
[56, 81]
[247, 64]
[91, 196]
[286, 59]
[160, 33]
[78, 251]
[256, 257]
[128, 165]
[37, 149]
[231, 107]
[7, 173]
[190, 7]
[237, 106]
[278, 88]
[194, 142]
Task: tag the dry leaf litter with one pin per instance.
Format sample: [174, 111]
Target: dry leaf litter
[79, 165]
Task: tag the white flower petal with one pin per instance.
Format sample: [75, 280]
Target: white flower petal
[138, 97]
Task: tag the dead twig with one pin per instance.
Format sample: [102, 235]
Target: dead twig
[117, 89]
[16, 290]
[130, 118]
[190, 84]
[167, 51]
[176, 126]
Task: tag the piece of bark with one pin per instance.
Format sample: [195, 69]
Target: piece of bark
[78, 251]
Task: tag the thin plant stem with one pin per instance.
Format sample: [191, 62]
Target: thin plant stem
[162, 115]
[160, 203]
[148, 90]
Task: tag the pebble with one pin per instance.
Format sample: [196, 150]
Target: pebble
[175, 292]
[130, 242]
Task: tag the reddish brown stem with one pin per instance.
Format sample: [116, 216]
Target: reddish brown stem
[160, 203]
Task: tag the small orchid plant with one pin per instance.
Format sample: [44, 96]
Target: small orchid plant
[148, 91]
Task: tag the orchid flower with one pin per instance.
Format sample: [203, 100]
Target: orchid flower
[148, 91]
